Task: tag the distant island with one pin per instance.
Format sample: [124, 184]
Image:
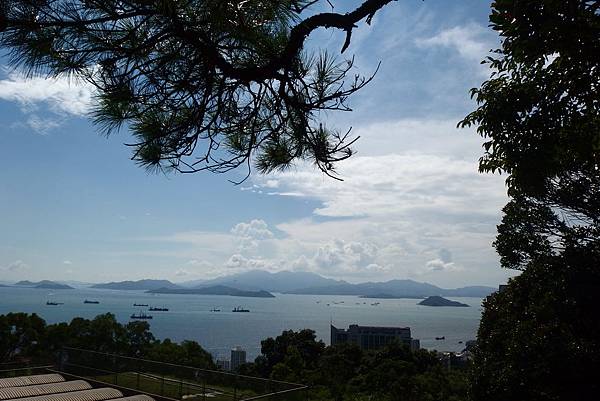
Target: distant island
[439, 301]
[137, 285]
[390, 296]
[214, 290]
[44, 284]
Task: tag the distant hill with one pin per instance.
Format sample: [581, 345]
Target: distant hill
[146, 284]
[52, 285]
[388, 296]
[283, 281]
[214, 290]
[26, 283]
[45, 284]
[439, 301]
[395, 289]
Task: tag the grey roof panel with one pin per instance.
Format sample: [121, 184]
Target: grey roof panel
[29, 380]
[96, 394]
[137, 397]
[41, 389]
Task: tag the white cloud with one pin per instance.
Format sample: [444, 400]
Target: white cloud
[400, 184]
[250, 234]
[16, 266]
[60, 94]
[255, 229]
[341, 258]
[471, 41]
[42, 125]
[467, 40]
[440, 265]
[240, 262]
[182, 273]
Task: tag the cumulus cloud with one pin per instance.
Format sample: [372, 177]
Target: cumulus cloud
[341, 258]
[440, 265]
[60, 94]
[255, 229]
[240, 262]
[16, 266]
[249, 234]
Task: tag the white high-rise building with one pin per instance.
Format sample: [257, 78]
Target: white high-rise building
[238, 358]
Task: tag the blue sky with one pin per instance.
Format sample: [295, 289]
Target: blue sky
[412, 205]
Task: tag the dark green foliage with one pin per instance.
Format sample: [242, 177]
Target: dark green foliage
[540, 111]
[21, 333]
[296, 350]
[201, 85]
[539, 338]
[345, 372]
[24, 336]
[540, 116]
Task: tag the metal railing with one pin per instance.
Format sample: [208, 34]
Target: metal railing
[172, 381]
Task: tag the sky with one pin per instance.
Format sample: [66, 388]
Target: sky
[411, 205]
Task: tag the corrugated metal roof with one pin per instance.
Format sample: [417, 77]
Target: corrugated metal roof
[137, 397]
[29, 380]
[40, 389]
[96, 394]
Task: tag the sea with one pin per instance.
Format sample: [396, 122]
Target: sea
[190, 316]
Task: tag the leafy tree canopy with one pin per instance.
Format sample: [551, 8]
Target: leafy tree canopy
[538, 339]
[201, 84]
[540, 116]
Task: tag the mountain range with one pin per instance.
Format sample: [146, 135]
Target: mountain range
[214, 290]
[295, 283]
[45, 284]
[395, 289]
[146, 284]
[253, 280]
[314, 284]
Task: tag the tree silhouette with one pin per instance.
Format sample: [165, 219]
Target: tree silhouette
[201, 84]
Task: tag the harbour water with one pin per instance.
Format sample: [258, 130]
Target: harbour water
[190, 317]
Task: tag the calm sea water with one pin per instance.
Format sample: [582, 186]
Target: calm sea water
[189, 316]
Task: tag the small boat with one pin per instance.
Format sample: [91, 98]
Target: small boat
[156, 309]
[141, 315]
[460, 342]
[440, 338]
[87, 301]
[53, 303]
[375, 304]
[240, 309]
[140, 304]
[215, 310]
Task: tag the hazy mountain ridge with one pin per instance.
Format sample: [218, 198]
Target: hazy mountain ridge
[46, 284]
[297, 283]
[396, 289]
[253, 280]
[214, 290]
[146, 284]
